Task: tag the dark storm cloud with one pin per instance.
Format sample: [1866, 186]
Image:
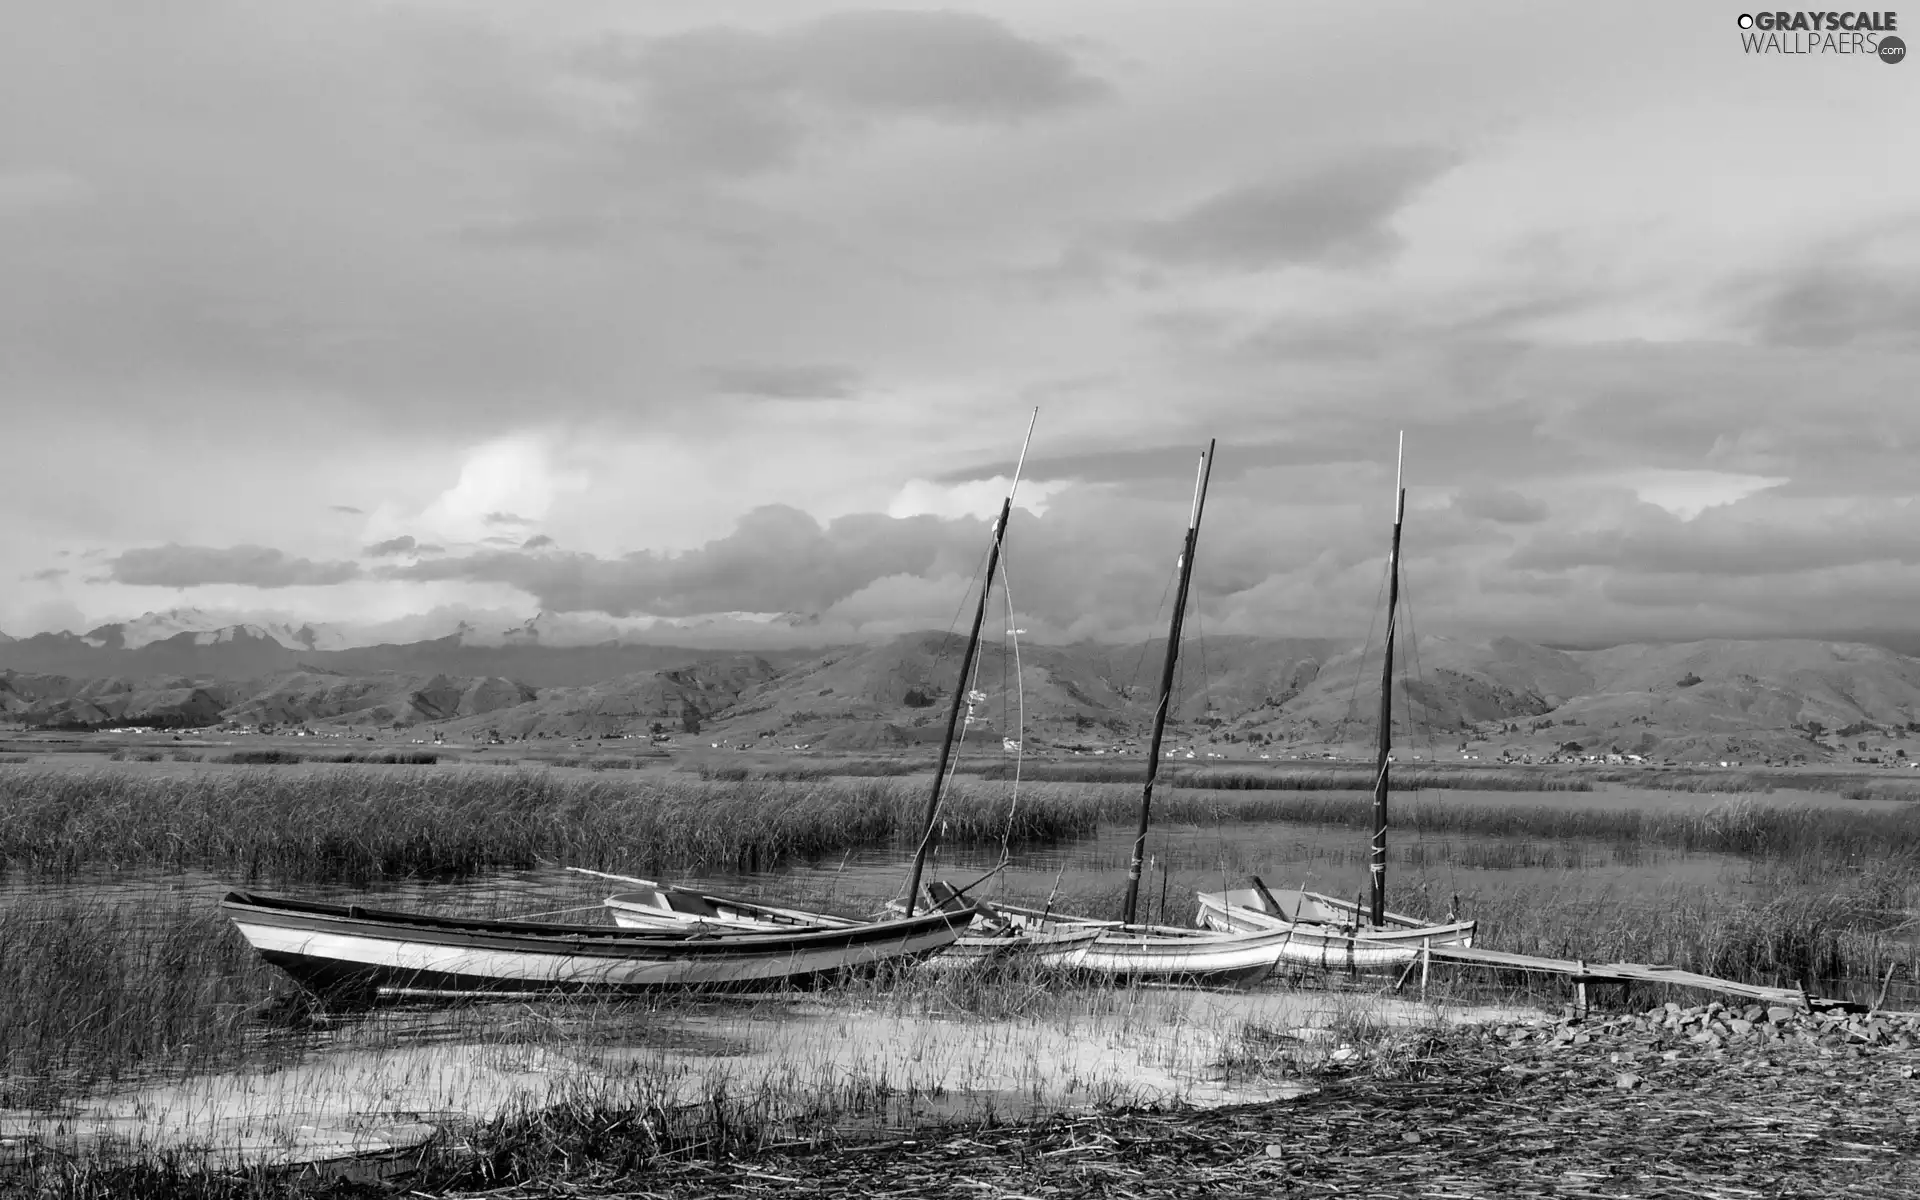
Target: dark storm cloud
[820, 381]
[738, 101]
[347, 508]
[395, 545]
[537, 541]
[1335, 213]
[179, 566]
[506, 518]
[777, 559]
[1500, 504]
[1745, 540]
[48, 575]
[1836, 307]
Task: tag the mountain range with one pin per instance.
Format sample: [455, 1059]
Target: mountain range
[1751, 699]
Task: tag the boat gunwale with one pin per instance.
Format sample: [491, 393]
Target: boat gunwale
[552, 938]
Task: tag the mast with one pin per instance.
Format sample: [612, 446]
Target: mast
[1166, 679]
[966, 672]
[1377, 869]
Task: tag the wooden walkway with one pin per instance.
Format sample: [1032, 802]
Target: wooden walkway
[1583, 973]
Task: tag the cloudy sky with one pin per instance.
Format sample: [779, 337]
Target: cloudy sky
[369, 311]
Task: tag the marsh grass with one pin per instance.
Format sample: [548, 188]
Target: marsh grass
[1841, 932]
[1853, 785]
[870, 768]
[1294, 779]
[356, 827]
[262, 758]
[94, 990]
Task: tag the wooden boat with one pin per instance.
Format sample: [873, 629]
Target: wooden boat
[1325, 931]
[991, 937]
[665, 906]
[348, 952]
[1123, 952]
[1328, 933]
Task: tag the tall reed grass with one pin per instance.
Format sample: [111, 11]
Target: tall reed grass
[874, 768]
[354, 827]
[351, 826]
[92, 989]
[1289, 779]
[1849, 927]
[1852, 784]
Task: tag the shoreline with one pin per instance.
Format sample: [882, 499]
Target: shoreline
[1671, 1102]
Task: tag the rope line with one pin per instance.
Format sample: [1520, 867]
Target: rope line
[1373, 618]
[1019, 729]
[959, 741]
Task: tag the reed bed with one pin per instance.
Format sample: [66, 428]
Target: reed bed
[1743, 827]
[875, 768]
[1852, 785]
[93, 989]
[261, 758]
[354, 827]
[1292, 779]
[1842, 932]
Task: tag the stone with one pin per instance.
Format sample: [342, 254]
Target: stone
[1778, 1015]
[1740, 1026]
[1626, 1081]
[1275, 1150]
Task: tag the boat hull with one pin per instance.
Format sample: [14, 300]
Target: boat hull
[1331, 941]
[349, 952]
[1124, 955]
[674, 909]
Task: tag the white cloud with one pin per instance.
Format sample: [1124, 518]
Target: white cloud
[519, 475]
[1686, 494]
[973, 498]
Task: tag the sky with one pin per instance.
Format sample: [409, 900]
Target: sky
[390, 314]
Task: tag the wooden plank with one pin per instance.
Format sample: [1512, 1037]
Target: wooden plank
[1615, 973]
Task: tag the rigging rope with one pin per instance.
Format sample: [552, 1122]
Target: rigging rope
[1373, 619]
[926, 839]
[1020, 729]
[1140, 664]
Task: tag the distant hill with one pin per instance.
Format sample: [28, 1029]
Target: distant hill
[254, 652]
[1693, 700]
[56, 702]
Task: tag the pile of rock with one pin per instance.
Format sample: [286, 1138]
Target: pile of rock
[1715, 1026]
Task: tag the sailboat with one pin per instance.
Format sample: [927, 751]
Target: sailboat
[1126, 952]
[993, 934]
[1114, 951]
[1324, 931]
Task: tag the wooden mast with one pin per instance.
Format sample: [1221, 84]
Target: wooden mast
[1166, 681]
[966, 673]
[1377, 869]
